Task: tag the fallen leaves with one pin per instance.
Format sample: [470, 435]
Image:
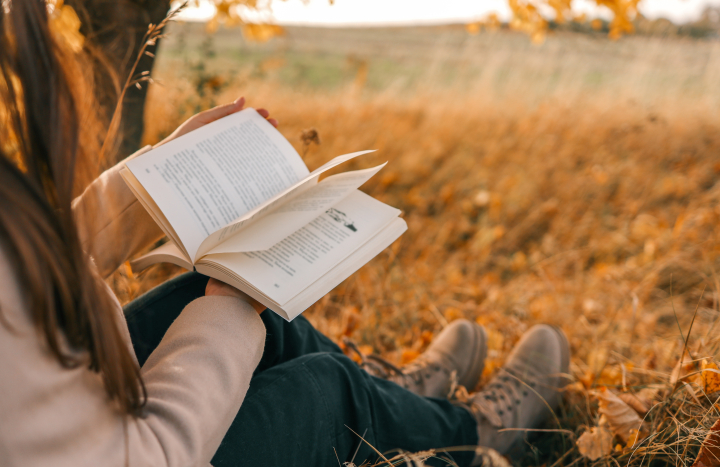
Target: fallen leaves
[595, 443]
[453, 313]
[619, 416]
[623, 421]
[709, 455]
[408, 355]
[695, 373]
[573, 258]
[710, 377]
[639, 404]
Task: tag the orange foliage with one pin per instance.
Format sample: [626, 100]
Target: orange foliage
[527, 17]
[594, 214]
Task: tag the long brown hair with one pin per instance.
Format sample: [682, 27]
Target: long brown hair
[50, 135]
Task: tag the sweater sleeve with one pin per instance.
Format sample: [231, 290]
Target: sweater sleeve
[112, 224]
[196, 381]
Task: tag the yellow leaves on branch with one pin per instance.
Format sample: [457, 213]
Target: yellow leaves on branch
[527, 18]
[624, 12]
[532, 17]
[246, 14]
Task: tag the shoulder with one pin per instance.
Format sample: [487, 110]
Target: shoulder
[48, 404]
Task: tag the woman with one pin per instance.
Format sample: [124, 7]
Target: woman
[219, 382]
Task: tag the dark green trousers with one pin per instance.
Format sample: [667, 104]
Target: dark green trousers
[306, 398]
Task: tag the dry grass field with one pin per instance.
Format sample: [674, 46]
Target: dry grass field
[574, 183]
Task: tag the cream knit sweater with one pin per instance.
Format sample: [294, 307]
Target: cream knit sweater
[196, 379]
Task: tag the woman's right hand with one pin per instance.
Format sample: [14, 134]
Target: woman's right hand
[216, 287]
[210, 115]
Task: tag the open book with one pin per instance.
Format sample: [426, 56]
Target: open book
[238, 204]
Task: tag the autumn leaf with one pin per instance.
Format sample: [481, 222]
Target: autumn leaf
[619, 416]
[528, 16]
[710, 377]
[595, 443]
[350, 320]
[710, 448]
[683, 366]
[452, 313]
[408, 355]
[648, 395]
[634, 437]
[638, 404]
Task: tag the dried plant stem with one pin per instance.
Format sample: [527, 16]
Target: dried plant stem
[150, 38]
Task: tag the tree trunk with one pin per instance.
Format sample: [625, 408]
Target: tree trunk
[115, 28]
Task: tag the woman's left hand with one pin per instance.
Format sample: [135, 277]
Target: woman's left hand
[210, 115]
[216, 287]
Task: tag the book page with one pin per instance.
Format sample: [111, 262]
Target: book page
[291, 216]
[315, 291]
[167, 253]
[153, 210]
[206, 179]
[270, 205]
[297, 261]
[344, 269]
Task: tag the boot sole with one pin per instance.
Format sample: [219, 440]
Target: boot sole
[471, 380]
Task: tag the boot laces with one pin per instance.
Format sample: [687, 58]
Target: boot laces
[374, 364]
[501, 397]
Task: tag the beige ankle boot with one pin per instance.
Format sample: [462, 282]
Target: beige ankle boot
[455, 356]
[525, 391]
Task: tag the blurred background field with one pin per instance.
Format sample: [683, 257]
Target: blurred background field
[404, 60]
[573, 182]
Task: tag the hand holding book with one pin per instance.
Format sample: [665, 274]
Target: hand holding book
[210, 115]
[238, 204]
[218, 288]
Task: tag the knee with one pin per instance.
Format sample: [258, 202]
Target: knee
[332, 361]
[335, 370]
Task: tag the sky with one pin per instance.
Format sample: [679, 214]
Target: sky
[403, 12]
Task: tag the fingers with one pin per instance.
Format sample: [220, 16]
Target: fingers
[223, 110]
[209, 116]
[216, 287]
[265, 114]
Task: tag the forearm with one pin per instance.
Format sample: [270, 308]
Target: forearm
[196, 380]
[112, 224]
[198, 376]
